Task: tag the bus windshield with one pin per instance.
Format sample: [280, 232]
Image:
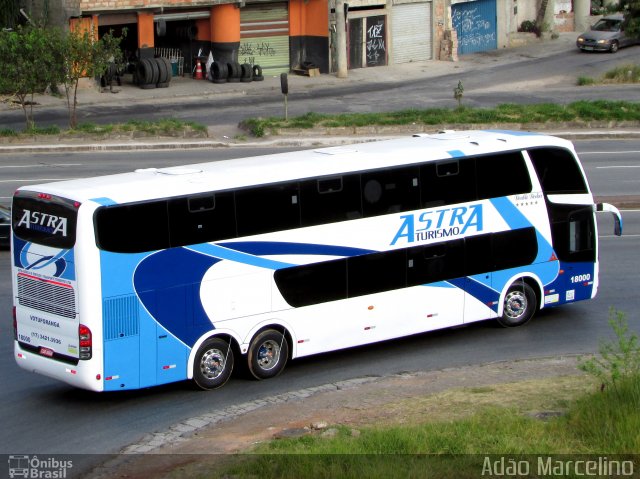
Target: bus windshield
[45, 219]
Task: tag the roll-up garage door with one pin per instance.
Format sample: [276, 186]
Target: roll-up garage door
[264, 37]
[476, 25]
[411, 35]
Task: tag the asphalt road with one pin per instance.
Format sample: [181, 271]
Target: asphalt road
[611, 165]
[43, 416]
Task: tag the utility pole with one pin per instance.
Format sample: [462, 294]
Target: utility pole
[341, 39]
[582, 10]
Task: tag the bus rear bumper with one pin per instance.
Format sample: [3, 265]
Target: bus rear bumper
[76, 375]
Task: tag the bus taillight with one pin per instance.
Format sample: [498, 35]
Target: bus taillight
[15, 324]
[86, 342]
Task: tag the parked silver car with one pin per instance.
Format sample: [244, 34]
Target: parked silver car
[607, 35]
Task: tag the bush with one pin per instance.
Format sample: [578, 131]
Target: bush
[618, 361]
[585, 81]
[527, 26]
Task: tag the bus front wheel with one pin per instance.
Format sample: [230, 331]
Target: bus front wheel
[213, 364]
[519, 305]
[268, 354]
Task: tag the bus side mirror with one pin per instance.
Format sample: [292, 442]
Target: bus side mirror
[617, 217]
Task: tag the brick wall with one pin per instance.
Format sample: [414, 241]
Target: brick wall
[564, 22]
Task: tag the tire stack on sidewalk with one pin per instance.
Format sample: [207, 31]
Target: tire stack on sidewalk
[234, 72]
[153, 73]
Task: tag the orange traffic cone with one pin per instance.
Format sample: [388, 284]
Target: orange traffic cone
[199, 75]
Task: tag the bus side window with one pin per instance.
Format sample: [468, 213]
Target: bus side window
[514, 248]
[313, 283]
[201, 218]
[390, 191]
[331, 199]
[478, 255]
[377, 272]
[436, 262]
[448, 182]
[503, 174]
[557, 170]
[267, 208]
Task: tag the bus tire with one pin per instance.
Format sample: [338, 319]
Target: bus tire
[519, 305]
[213, 364]
[268, 354]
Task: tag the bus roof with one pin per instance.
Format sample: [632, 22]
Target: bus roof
[152, 183]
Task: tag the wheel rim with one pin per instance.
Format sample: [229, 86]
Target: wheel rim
[268, 355]
[515, 304]
[213, 363]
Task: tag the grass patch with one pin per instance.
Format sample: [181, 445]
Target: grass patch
[8, 132]
[608, 420]
[628, 73]
[47, 130]
[623, 74]
[585, 81]
[595, 424]
[581, 111]
[163, 127]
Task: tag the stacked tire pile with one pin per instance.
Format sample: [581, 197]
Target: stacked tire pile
[154, 73]
[234, 72]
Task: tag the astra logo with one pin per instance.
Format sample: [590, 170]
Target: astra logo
[440, 223]
[35, 220]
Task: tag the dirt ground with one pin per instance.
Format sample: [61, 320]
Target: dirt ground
[535, 387]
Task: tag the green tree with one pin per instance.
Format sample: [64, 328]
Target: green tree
[30, 63]
[84, 56]
[632, 17]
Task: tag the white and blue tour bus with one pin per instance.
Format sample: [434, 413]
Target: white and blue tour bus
[160, 275]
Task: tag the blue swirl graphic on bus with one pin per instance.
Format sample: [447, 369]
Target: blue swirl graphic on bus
[50, 261]
[168, 281]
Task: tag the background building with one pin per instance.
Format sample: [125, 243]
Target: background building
[284, 35]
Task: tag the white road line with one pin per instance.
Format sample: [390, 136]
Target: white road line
[626, 152]
[623, 236]
[41, 165]
[613, 167]
[32, 180]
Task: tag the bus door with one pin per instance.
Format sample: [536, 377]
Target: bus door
[573, 232]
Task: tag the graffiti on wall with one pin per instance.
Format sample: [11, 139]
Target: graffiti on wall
[254, 53]
[375, 41]
[474, 30]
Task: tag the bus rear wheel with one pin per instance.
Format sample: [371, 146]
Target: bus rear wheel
[519, 305]
[213, 364]
[268, 354]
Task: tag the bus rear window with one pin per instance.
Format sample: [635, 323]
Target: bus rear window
[44, 219]
[133, 228]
